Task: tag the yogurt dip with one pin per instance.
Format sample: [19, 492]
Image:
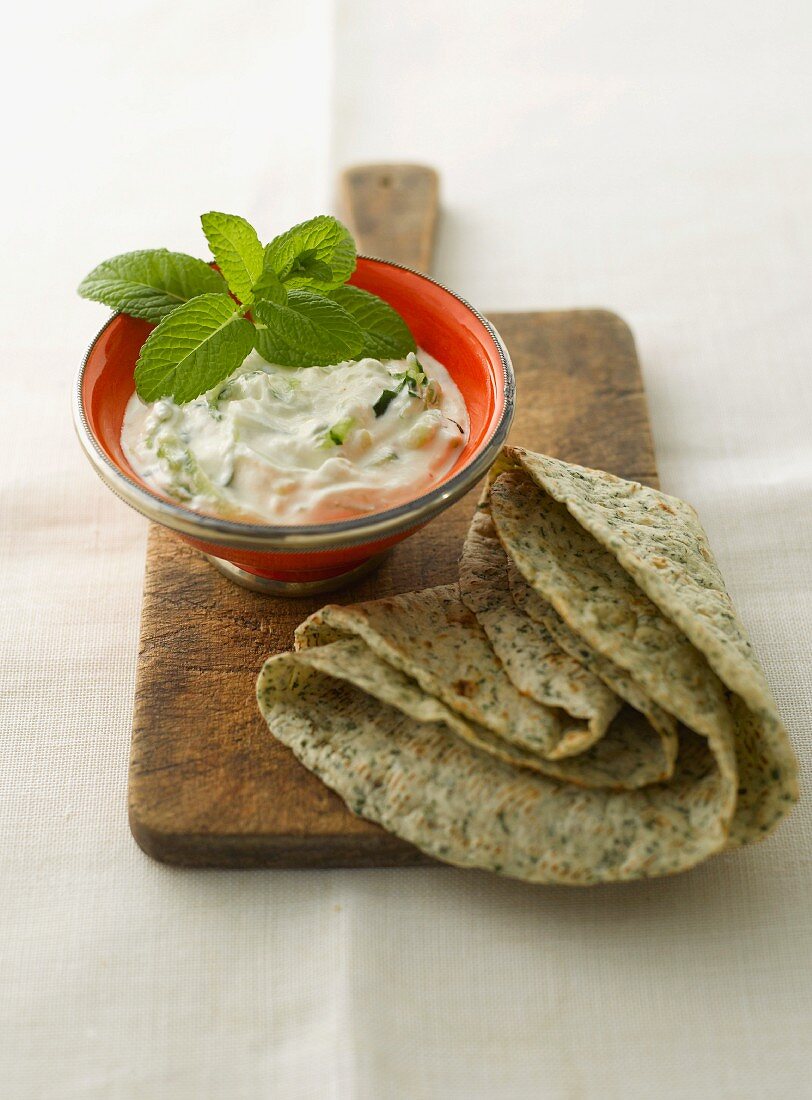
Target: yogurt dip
[282, 445]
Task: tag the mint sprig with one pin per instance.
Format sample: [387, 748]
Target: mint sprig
[287, 299]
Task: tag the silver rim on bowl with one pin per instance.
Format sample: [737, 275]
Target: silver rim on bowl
[311, 538]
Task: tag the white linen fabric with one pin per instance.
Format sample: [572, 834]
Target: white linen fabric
[650, 158]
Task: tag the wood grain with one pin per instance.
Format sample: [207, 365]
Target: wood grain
[392, 210]
[208, 785]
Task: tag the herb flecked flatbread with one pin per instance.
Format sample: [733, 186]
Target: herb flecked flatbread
[463, 806]
[615, 678]
[531, 651]
[629, 569]
[628, 757]
[584, 707]
[527, 651]
[433, 637]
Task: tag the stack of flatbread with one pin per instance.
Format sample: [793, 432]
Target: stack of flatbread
[583, 707]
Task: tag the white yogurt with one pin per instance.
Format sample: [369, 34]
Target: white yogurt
[284, 445]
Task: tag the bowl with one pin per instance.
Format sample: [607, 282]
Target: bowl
[296, 560]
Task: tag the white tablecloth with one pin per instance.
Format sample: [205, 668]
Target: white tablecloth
[651, 158]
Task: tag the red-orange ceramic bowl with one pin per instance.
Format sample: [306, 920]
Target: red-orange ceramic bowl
[297, 559]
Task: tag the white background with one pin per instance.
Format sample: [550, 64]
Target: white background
[648, 157]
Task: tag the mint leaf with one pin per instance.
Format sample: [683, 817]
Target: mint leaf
[302, 256]
[150, 283]
[269, 288]
[386, 334]
[194, 348]
[308, 266]
[309, 331]
[237, 250]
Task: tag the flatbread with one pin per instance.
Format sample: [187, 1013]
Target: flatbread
[629, 569]
[434, 638]
[527, 651]
[464, 807]
[531, 651]
[630, 756]
[615, 678]
[585, 707]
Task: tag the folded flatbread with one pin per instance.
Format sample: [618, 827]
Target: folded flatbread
[520, 632]
[355, 644]
[465, 807]
[433, 637]
[630, 571]
[583, 708]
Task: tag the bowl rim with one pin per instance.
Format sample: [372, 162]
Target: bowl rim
[310, 537]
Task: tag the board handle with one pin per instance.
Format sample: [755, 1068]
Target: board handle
[392, 211]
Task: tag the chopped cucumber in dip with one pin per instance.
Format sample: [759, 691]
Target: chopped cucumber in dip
[284, 445]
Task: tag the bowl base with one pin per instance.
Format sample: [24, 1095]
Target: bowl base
[276, 586]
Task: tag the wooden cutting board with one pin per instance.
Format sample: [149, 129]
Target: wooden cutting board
[208, 785]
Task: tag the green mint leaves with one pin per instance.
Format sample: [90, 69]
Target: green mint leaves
[309, 330]
[317, 255]
[150, 284]
[193, 349]
[237, 251]
[268, 287]
[386, 334]
[287, 299]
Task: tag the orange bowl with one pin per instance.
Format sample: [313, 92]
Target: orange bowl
[297, 559]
